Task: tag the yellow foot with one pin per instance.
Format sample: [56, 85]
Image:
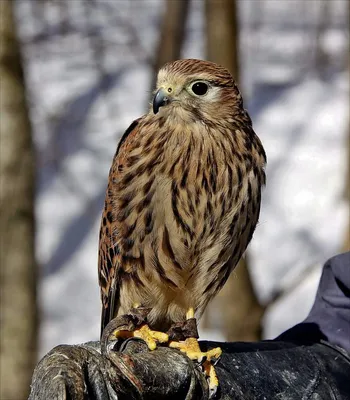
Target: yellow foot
[145, 333]
[191, 347]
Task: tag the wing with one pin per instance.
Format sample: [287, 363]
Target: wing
[109, 255]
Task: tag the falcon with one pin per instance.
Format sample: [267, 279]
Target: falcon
[182, 203]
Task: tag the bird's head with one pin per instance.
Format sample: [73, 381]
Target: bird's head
[195, 90]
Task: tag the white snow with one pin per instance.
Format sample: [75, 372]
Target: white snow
[299, 112]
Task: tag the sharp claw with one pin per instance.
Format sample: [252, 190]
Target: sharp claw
[202, 359]
[207, 360]
[212, 391]
[144, 333]
[123, 334]
[151, 337]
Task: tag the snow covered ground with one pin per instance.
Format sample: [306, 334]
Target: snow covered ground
[90, 77]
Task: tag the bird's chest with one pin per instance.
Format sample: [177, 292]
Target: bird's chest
[176, 200]
[193, 204]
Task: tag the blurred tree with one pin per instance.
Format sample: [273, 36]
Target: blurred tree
[346, 244]
[171, 35]
[17, 262]
[222, 34]
[322, 58]
[237, 301]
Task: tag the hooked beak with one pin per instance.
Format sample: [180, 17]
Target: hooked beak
[160, 99]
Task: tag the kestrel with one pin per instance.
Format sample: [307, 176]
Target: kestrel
[182, 202]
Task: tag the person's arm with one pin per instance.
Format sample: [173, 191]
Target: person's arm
[329, 318]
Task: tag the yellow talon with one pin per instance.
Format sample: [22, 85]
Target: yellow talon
[191, 347]
[150, 337]
[145, 333]
[214, 353]
[209, 371]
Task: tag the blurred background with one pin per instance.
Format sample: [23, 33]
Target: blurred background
[74, 74]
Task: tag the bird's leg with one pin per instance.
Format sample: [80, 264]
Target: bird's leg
[190, 346]
[141, 329]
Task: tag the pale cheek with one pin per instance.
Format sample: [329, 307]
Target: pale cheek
[184, 115]
[212, 96]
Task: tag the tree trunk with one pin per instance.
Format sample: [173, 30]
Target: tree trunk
[222, 34]
[346, 244]
[172, 34]
[237, 301]
[17, 262]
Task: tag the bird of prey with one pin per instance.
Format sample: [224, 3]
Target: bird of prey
[182, 202]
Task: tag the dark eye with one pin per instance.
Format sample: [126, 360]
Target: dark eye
[199, 88]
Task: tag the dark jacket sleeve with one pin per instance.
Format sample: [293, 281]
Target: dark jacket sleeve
[329, 318]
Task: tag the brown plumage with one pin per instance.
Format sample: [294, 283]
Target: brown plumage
[183, 197]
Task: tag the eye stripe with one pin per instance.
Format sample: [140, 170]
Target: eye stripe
[219, 83]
